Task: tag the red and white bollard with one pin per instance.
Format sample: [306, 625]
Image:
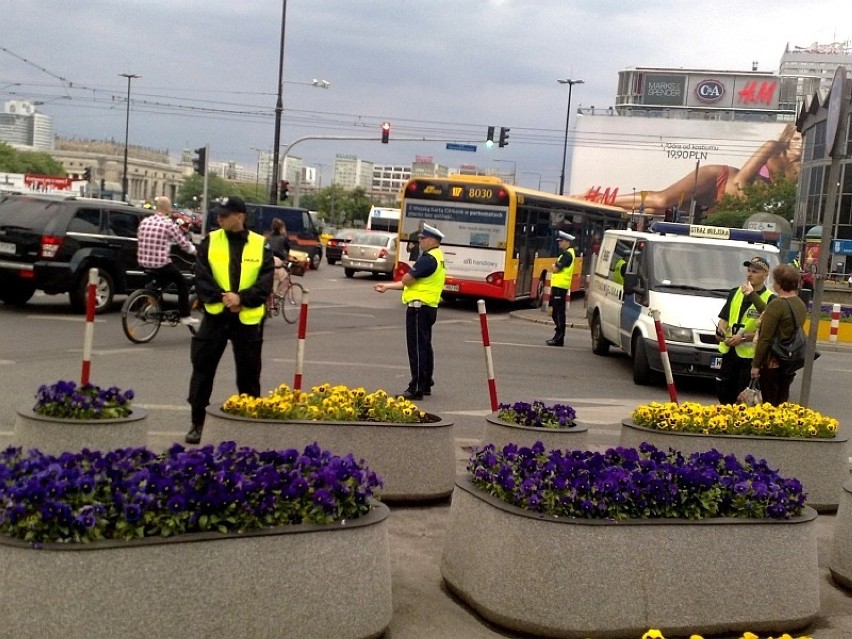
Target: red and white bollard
[489, 364]
[835, 322]
[89, 333]
[545, 294]
[300, 342]
[664, 355]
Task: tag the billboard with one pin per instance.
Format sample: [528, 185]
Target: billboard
[663, 90]
[660, 163]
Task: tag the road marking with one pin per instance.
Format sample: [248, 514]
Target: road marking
[285, 360]
[63, 319]
[114, 351]
[6, 362]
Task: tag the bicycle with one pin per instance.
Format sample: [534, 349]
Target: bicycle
[286, 298]
[143, 313]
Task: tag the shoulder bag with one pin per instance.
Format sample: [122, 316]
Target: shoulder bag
[790, 352]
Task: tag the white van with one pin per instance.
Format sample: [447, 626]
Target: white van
[683, 271]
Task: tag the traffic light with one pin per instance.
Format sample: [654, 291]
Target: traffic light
[489, 137]
[87, 174]
[504, 137]
[199, 162]
[283, 189]
[385, 132]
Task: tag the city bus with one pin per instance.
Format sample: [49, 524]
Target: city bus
[499, 239]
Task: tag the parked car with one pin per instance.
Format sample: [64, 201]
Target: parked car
[373, 251]
[49, 243]
[334, 248]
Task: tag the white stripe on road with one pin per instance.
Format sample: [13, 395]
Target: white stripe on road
[114, 351]
[330, 363]
[62, 319]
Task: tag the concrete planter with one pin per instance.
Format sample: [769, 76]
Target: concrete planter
[299, 582]
[500, 433]
[598, 578]
[841, 556]
[54, 435]
[415, 461]
[822, 465]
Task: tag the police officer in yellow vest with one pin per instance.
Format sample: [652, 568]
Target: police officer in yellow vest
[560, 286]
[421, 292]
[233, 277]
[738, 323]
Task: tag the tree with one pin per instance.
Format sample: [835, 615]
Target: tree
[14, 161]
[778, 196]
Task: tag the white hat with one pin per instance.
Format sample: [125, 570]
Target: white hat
[431, 231]
[565, 236]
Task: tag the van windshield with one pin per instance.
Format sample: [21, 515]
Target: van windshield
[714, 268]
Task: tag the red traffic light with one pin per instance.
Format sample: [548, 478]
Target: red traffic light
[385, 132]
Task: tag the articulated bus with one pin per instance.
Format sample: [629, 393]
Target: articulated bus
[500, 240]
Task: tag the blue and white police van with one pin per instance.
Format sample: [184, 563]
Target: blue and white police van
[683, 271]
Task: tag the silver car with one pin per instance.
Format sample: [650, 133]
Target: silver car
[373, 251]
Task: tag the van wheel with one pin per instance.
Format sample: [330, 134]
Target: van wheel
[600, 345]
[316, 260]
[104, 292]
[642, 373]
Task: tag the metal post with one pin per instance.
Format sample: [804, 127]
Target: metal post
[570, 84]
[279, 108]
[129, 77]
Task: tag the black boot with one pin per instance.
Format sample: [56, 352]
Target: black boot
[194, 435]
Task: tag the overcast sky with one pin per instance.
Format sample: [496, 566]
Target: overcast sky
[442, 69]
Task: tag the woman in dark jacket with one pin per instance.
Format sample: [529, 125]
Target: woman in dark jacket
[783, 317]
[280, 246]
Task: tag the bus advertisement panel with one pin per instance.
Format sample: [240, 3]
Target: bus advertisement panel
[499, 240]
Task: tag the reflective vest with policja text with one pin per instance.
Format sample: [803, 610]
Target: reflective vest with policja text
[563, 278]
[219, 257]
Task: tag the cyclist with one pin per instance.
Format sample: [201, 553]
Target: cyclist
[156, 235]
[280, 246]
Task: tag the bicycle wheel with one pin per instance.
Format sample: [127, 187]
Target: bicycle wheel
[141, 316]
[291, 303]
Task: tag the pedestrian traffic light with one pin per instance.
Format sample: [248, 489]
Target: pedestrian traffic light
[489, 137]
[87, 174]
[283, 189]
[385, 132]
[504, 137]
[199, 162]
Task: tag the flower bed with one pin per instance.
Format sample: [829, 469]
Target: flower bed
[525, 519]
[265, 520]
[414, 456]
[524, 424]
[800, 442]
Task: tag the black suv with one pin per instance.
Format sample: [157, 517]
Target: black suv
[50, 243]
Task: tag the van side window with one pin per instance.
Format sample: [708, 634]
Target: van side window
[620, 260]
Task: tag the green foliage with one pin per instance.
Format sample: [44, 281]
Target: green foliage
[778, 196]
[13, 161]
[339, 206]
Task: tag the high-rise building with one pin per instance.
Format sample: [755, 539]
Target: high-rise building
[350, 172]
[22, 126]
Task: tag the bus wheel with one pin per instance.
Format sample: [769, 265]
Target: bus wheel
[539, 296]
[642, 373]
[600, 345]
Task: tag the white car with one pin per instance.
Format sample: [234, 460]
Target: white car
[373, 251]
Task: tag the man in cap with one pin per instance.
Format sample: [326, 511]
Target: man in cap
[738, 321]
[560, 286]
[421, 292]
[155, 237]
[233, 276]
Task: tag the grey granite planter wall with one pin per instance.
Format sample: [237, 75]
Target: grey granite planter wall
[822, 465]
[841, 556]
[53, 435]
[299, 582]
[604, 579]
[500, 433]
[415, 461]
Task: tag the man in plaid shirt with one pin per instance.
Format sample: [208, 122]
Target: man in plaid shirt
[156, 235]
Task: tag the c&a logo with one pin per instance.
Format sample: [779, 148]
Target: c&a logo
[709, 90]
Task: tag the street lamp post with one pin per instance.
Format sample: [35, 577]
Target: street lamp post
[129, 76]
[570, 84]
[539, 178]
[279, 108]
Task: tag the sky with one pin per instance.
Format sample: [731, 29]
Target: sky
[437, 70]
